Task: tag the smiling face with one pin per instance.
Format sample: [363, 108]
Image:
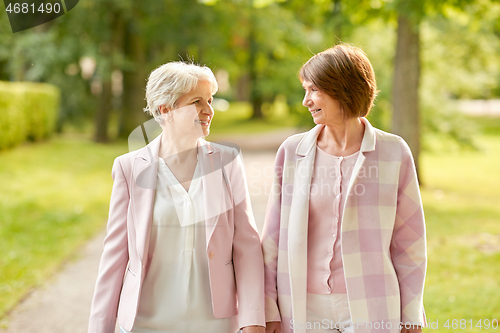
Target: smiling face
[324, 109]
[194, 112]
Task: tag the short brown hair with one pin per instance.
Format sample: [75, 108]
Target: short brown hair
[345, 74]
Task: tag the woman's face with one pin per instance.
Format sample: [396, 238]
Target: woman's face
[324, 109]
[194, 111]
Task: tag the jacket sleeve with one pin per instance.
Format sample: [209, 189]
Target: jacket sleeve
[114, 258]
[270, 240]
[247, 253]
[408, 246]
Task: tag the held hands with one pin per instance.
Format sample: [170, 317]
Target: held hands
[273, 327]
[254, 329]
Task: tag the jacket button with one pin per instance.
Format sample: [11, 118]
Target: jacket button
[211, 255]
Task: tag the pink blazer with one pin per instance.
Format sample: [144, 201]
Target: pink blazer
[233, 246]
[383, 235]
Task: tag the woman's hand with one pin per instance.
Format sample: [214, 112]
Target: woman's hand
[273, 327]
[254, 329]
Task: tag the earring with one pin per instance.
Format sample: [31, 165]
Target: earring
[168, 115]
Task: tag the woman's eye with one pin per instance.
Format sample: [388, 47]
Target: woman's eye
[196, 102]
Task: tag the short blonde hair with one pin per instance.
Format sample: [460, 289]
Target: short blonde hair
[167, 83]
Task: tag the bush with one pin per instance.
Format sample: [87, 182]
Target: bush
[12, 121]
[27, 112]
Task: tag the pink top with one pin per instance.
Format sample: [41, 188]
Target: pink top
[331, 175]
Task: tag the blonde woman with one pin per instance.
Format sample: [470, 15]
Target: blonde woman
[182, 253]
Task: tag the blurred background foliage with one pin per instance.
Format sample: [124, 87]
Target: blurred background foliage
[101, 53]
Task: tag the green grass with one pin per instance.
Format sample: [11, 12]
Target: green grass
[462, 208]
[53, 197]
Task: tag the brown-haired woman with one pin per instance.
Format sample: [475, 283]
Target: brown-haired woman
[344, 237]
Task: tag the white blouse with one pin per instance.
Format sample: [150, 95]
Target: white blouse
[175, 295]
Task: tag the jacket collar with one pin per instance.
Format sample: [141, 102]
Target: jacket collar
[151, 151]
[369, 138]
[206, 147]
[308, 142]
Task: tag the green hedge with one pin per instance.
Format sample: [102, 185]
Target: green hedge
[28, 111]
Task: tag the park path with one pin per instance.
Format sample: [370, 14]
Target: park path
[62, 305]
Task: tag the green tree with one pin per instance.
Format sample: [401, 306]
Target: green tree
[407, 63]
[405, 94]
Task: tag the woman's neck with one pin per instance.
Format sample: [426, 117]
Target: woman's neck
[177, 149]
[343, 138]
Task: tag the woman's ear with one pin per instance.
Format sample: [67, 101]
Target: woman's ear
[163, 109]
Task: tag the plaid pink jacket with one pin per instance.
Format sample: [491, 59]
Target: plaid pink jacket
[383, 235]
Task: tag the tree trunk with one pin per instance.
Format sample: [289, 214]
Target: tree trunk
[102, 116]
[243, 88]
[134, 85]
[337, 20]
[406, 118]
[257, 107]
[255, 94]
[106, 97]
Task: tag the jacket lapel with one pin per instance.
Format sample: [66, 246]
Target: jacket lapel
[211, 178]
[349, 220]
[143, 190]
[298, 224]
[367, 145]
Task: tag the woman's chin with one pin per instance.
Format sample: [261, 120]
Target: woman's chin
[317, 121]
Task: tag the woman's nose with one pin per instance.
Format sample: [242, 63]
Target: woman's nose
[208, 109]
[306, 100]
